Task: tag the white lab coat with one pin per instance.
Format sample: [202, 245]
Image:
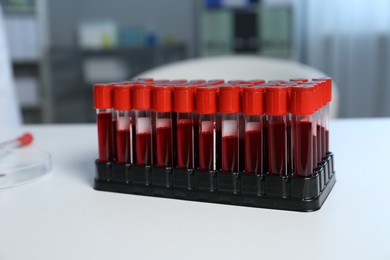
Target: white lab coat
[9, 109]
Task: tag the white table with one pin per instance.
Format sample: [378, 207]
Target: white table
[62, 217]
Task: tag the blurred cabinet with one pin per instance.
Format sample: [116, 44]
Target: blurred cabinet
[255, 29]
[71, 73]
[21, 26]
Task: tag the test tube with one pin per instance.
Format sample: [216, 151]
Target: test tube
[253, 109]
[162, 105]
[122, 107]
[229, 106]
[141, 99]
[325, 115]
[290, 142]
[183, 100]
[302, 109]
[206, 106]
[276, 108]
[103, 105]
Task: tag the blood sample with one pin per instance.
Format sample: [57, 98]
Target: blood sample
[276, 108]
[290, 142]
[325, 116]
[162, 105]
[103, 106]
[303, 106]
[229, 106]
[122, 107]
[184, 107]
[141, 100]
[21, 141]
[206, 106]
[253, 109]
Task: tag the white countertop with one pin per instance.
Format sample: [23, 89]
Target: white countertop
[62, 217]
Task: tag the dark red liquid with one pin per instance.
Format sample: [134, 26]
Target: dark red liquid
[277, 148]
[290, 155]
[314, 152]
[143, 148]
[123, 146]
[174, 134]
[319, 143]
[206, 151]
[326, 141]
[230, 154]
[265, 148]
[241, 154]
[185, 144]
[196, 139]
[253, 152]
[164, 147]
[218, 142]
[114, 137]
[105, 137]
[303, 149]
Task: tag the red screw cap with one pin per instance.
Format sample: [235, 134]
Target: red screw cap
[207, 100]
[229, 99]
[141, 97]
[253, 100]
[122, 97]
[303, 100]
[102, 96]
[276, 100]
[183, 99]
[162, 98]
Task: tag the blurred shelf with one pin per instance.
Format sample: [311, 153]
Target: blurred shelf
[131, 49]
[19, 10]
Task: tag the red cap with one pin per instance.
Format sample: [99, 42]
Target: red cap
[328, 88]
[197, 81]
[276, 82]
[179, 81]
[255, 82]
[183, 99]
[215, 81]
[122, 97]
[276, 100]
[237, 81]
[141, 97]
[25, 139]
[299, 80]
[162, 98]
[102, 96]
[229, 99]
[207, 100]
[303, 100]
[253, 100]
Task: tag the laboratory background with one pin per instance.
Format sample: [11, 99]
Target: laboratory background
[56, 49]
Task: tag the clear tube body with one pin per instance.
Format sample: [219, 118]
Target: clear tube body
[230, 142]
[163, 146]
[290, 145]
[304, 152]
[123, 137]
[207, 142]
[185, 141]
[326, 128]
[253, 144]
[277, 145]
[241, 140]
[105, 134]
[143, 137]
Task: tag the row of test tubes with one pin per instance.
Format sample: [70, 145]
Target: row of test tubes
[277, 127]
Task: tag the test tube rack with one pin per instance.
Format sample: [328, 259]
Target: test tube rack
[251, 190]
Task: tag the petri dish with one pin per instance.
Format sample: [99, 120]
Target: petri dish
[23, 165]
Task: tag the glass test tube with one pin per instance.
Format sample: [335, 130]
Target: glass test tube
[206, 106]
[184, 107]
[229, 106]
[253, 109]
[277, 116]
[162, 105]
[122, 107]
[141, 99]
[304, 125]
[103, 105]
